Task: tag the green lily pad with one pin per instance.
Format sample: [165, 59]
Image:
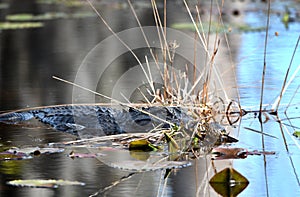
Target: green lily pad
[19, 17]
[142, 145]
[215, 27]
[296, 134]
[43, 183]
[68, 3]
[20, 25]
[48, 16]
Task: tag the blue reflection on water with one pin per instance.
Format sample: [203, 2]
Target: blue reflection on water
[279, 169]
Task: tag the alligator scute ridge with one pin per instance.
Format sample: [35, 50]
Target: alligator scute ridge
[106, 119]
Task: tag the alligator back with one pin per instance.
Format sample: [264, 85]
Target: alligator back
[102, 119]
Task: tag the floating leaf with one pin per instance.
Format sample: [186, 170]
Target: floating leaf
[216, 27]
[20, 25]
[19, 17]
[228, 182]
[43, 183]
[48, 16]
[229, 153]
[142, 145]
[190, 26]
[69, 3]
[296, 134]
[236, 153]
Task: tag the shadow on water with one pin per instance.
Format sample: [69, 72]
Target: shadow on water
[30, 57]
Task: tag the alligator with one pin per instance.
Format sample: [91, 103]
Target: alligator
[106, 120]
[91, 120]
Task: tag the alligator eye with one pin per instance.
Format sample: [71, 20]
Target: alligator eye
[36, 152]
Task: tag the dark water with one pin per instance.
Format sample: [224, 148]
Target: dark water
[30, 57]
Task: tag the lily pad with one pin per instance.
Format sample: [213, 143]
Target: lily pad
[48, 16]
[69, 3]
[215, 27]
[296, 134]
[20, 25]
[142, 145]
[50, 183]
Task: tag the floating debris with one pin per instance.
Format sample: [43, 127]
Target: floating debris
[4, 156]
[84, 155]
[50, 183]
[35, 150]
[236, 153]
[26, 153]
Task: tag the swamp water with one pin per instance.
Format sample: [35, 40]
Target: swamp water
[30, 57]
